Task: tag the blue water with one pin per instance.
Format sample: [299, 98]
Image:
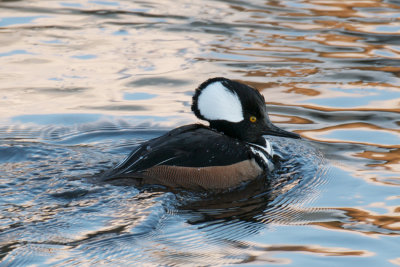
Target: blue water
[82, 83]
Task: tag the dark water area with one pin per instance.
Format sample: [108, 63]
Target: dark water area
[82, 83]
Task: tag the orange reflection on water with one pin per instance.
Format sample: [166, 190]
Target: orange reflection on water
[262, 254]
[362, 221]
[391, 159]
[391, 69]
[325, 133]
[281, 72]
[388, 164]
[289, 119]
[325, 251]
[302, 91]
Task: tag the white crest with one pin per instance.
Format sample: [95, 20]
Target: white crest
[216, 102]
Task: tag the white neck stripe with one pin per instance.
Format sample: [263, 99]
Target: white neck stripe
[268, 149]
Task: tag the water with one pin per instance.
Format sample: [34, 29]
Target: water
[84, 82]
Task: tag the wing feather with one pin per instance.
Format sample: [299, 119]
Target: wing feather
[188, 146]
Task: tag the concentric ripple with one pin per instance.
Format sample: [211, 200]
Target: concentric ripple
[84, 82]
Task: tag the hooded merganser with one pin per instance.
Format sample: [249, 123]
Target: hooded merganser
[224, 155]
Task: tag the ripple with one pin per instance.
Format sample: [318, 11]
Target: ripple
[84, 83]
[154, 217]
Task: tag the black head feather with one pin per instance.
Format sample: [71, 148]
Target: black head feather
[252, 105]
[252, 101]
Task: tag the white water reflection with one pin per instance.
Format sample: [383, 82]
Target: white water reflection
[84, 82]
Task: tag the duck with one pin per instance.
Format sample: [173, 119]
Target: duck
[226, 154]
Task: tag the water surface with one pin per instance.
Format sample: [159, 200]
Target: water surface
[84, 82]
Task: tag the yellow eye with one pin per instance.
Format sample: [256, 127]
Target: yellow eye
[253, 119]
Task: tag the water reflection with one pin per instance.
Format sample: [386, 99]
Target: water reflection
[83, 83]
[366, 222]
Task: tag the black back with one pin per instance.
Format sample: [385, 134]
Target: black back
[192, 145]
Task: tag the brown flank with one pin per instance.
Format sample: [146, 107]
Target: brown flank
[208, 178]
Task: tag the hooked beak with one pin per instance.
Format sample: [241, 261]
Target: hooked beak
[271, 129]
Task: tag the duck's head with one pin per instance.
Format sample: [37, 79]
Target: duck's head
[235, 109]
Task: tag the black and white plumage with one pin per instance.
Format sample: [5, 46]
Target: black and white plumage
[226, 154]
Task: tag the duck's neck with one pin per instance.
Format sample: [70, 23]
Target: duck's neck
[263, 154]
